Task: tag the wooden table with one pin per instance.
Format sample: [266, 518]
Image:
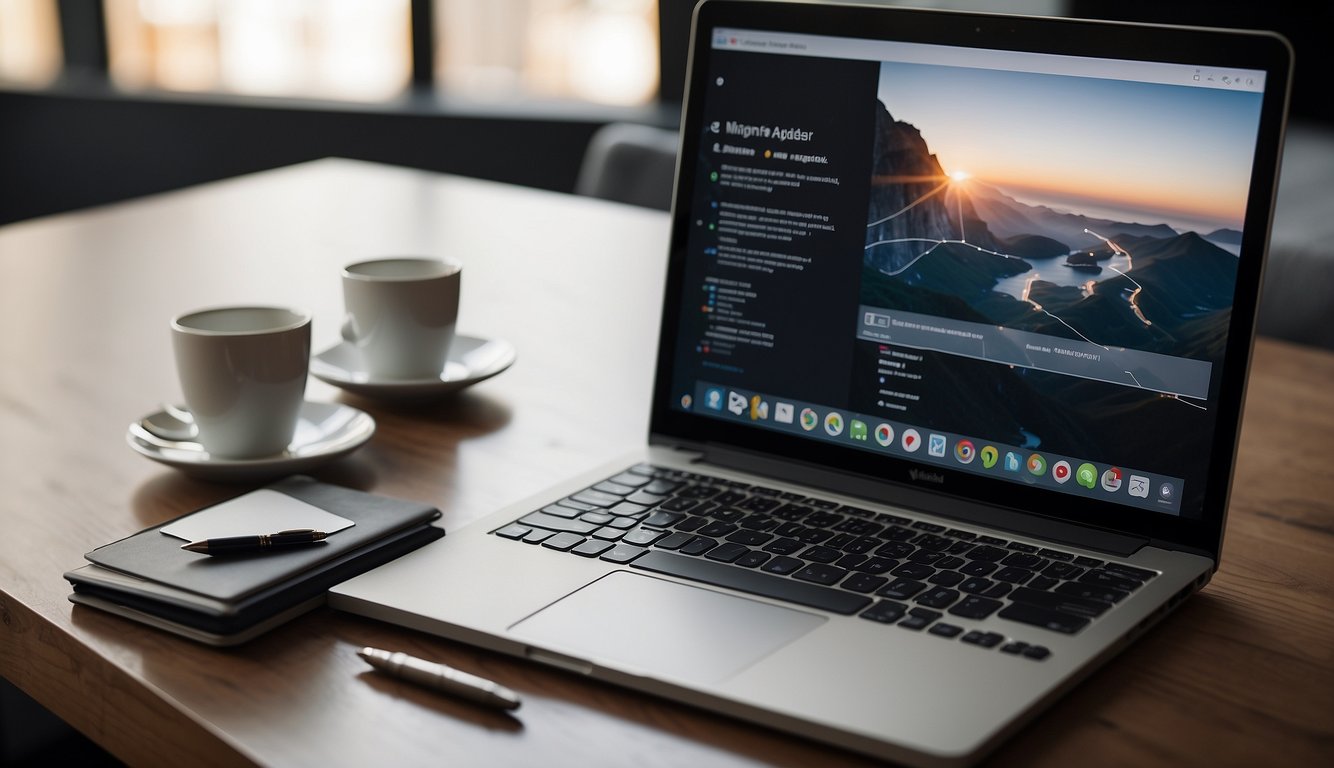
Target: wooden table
[1241, 675]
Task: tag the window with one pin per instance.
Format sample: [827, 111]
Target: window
[29, 42]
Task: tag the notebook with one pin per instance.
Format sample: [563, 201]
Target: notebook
[227, 600]
[955, 335]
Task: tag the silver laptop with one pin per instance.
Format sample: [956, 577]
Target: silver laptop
[954, 346]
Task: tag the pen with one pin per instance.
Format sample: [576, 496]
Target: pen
[441, 678]
[263, 542]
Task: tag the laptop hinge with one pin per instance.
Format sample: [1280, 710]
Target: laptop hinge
[934, 503]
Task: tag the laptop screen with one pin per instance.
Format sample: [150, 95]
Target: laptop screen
[996, 268]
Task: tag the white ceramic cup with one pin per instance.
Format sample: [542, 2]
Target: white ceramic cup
[401, 313]
[243, 373]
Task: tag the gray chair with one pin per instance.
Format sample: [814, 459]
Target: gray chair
[630, 163]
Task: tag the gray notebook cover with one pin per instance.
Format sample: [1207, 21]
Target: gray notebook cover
[150, 554]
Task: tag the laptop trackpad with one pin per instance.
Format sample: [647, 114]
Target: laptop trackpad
[667, 629]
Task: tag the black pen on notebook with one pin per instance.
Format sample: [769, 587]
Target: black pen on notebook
[263, 542]
[441, 678]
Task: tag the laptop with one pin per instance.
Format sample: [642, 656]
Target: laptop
[955, 334]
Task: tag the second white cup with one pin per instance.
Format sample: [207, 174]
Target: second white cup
[401, 313]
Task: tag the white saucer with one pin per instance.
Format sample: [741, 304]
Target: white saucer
[324, 432]
[470, 360]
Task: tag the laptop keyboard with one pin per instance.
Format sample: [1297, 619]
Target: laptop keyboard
[821, 554]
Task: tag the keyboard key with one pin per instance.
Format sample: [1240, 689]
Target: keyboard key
[821, 573]
[1052, 554]
[1042, 582]
[561, 510]
[630, 478]
[885, 612]
[1012, 575]
[861, 545]
[643, 536]
[938, 597]
[513, 531]
[925, 556]
[661, 519]
[675, 540]
[974, 607]
[896, 550]
[915, 623]
[718, 529]
[660, 487]
[986, 553]
[851, 561]
[557, 524]
[1043, 617]
[564, 542]
[992, 541]
[1088, 562]
[878, 565]
[1063, 570]
[537, 536]
[596, 518]
[752, 582]
[898, 533]
[698, 492]
[628, 509]
[1076, 606]
[784, 546]
[752, 559]
[922, 525]
[863, 582]
[1021, 560]
[999, 589]
[749, 538]
[572, 504]
[958, 534]
[933, 542]
[1014, 648]
[840, 540]
[1100, 578]
[615, 489]
[888, 519]
[914, 571]
[1018, 546]
[597, 498]
[978, 568]
[590, 548]
[950, 562]
[1036, 652]
[820, 554]
[608, 533]
[624, 523]
[781, 565]
[1129, 570]
[902, 589]
[945, 630]
[678, 504]
[946, 578]
[698, 545]
[622, 553]
[976, 585]
[646, 498]
[1091, 592]
[726, 552]
[814, 535]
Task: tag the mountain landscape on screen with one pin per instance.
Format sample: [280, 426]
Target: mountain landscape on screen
[961, 248]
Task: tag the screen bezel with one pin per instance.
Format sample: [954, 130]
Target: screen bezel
[1195, 46]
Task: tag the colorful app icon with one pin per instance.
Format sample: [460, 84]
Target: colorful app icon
[736, 403]
[809, 419]
[1087, 475]
[884, 434]
[1011, 461]
[935, 445]
[989, 456]
[911, 440]
[1167, 492]
[1060, 471]
[1138, 486]
[964, 451]
[759, 408]
[713, 399]
[1037, 465]
[833, 423]
[783, 412]
[857, 430]
[1111, 480]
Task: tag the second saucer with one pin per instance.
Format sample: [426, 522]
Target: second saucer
[471, 360]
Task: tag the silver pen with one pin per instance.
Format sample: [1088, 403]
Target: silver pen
[441, 678]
